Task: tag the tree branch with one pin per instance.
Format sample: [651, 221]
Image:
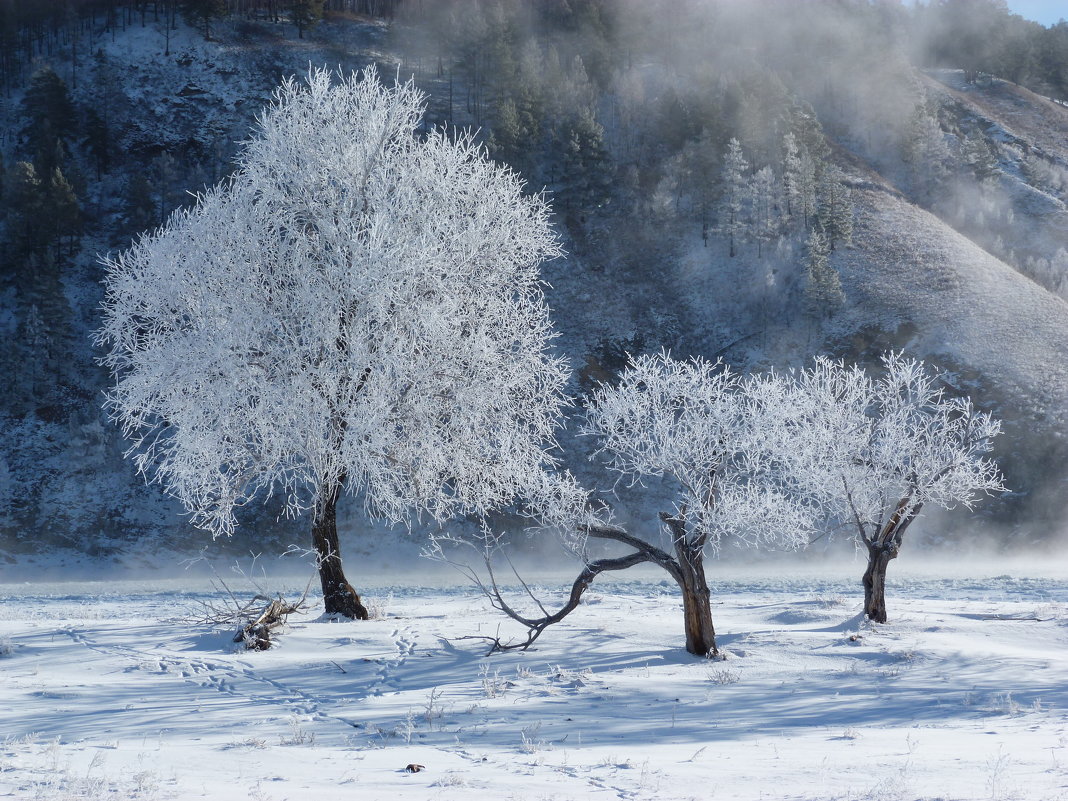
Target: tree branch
[653, 553]
[535, 626]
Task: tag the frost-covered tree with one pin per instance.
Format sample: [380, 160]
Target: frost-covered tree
[766, 221]
[705, 431]
[834, 207]
[977, 156]
[925, 151]
[879, 450]
[798, 182]
[823, 287]
[791, 176]
[586, 167]
[358, 309]
[733, 222]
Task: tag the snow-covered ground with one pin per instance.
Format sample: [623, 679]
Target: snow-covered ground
[106, 693]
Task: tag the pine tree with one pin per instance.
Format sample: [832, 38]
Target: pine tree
[64, 212]
[106, 82]
[765, 205]
[806, 187]
[98, 141]
[926, 152]
[139, 206]
[506, 139]
[26, 226]
[977, 156]
[47, 98]
[823, 288]
[806, 128]
[791, 177]
[733, 223]
[699, 162]
[3, 188]
[305, 14]
[834, 207]
[586, 162]
[49, 116]
[201, 13]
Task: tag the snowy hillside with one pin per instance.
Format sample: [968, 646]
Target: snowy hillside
[958, 258]
[1002, 336]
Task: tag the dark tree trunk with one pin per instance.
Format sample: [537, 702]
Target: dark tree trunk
[338, 595]
[875, 581]
[697, 614]
[881, 550]
[696, 598]
[697, 606]
[687, 570]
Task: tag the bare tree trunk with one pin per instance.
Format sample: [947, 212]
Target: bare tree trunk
[874, 581]
[338, 595]
[696, 598]
[697, 616]
[697, 610]
[881, 550]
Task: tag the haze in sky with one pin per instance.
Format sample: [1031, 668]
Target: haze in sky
[1046, 12]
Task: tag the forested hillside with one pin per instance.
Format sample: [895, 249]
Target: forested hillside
[758, 182]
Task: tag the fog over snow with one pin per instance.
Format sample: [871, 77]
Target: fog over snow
[109, 692]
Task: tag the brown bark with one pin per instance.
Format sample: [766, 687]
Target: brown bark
[339, 597]
[687, 570]
[696, 597]
[880, 551]
[874, 581]
[697, 617]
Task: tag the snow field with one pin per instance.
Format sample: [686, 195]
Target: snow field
[106, 694]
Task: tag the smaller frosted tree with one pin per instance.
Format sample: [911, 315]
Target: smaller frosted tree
[705, 431]
[764, 198]
[791, 176]
[877, 451]
[977, 155]
[926, 152]
[798, 182]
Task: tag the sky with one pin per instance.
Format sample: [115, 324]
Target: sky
[1047, 12]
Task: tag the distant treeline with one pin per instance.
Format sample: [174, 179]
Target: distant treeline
[30, 29]
[980, 36]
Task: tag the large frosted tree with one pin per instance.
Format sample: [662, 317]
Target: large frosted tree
[358, 309]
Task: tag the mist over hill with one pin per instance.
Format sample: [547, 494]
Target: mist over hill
[690, 151]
